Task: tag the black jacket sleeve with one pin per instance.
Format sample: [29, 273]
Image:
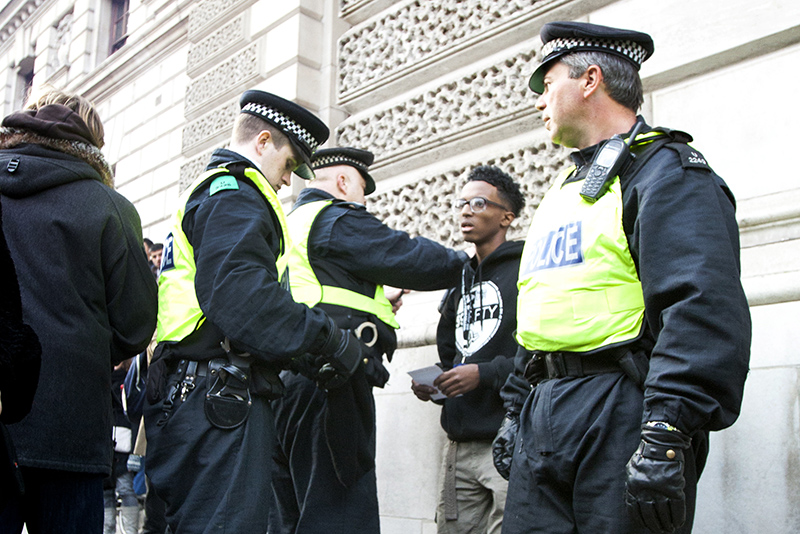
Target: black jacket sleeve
[370, 250]
[495, 373]
[682, 231]
[236, 241]
[131, 289]
[445, 330]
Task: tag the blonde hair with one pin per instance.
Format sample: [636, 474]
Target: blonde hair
[47, 95]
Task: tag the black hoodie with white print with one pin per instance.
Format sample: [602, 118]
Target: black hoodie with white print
[477, 324]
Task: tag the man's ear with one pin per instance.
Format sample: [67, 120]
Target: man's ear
[341, 183]
[263, 138]
[507, 219]
[593, 79]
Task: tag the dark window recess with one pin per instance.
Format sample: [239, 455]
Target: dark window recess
[119, 24]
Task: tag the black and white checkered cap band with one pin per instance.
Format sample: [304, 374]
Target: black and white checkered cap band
[337, 159]
[634, 51]
[286, 124]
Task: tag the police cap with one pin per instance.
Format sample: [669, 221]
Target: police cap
[304, 130]
[562, 38]
[354, 157]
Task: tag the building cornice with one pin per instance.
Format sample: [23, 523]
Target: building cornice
[167, 34]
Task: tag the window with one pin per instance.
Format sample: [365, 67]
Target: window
[119, 24]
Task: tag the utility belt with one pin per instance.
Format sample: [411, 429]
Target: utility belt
[549, 365]
[229, 382]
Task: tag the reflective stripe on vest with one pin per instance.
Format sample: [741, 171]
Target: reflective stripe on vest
[306, 287]
[578, 286]
[179, 313]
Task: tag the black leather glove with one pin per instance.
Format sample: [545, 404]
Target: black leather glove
[342, 353]
[504, 443]
[654, 488]
[305, 364]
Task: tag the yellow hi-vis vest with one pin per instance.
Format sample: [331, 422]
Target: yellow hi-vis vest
[306, 287]
[179, 313]
[578, 286]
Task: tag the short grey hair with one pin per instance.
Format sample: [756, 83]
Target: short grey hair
[622, 80]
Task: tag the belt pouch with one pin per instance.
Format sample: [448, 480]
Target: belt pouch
[228, 400]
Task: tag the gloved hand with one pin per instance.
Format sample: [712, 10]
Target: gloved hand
[504, 443]
[654, 487]
[342, 353]
[306, 365]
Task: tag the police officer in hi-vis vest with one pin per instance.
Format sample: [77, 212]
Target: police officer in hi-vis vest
[341, 257]
[631, 308]
[227, 325]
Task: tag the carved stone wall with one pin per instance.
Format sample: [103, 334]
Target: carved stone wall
[209, 125]
[229, 36]
[473, 101]
[238, 70]
[425, 207]
[417, 32]
[207, 14]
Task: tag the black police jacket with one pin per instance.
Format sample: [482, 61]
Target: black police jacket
[680, 223]
[350, 248]
[236, 238]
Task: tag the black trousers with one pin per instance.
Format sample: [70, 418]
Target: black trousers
[212, 480]
[308, 495]
[568, 472]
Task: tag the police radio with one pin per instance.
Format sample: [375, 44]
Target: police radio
[609, 160]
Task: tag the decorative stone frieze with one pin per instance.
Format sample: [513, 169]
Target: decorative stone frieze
[191, 170]
[208, 13]
[484, 97]
[417, 31]
[21, 15]
[226, 38]
[424, 207]
[240, 70]
[209, 125]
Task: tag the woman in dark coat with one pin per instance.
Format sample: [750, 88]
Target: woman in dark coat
[87, 292]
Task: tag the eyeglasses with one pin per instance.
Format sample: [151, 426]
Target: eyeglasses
[476, 204]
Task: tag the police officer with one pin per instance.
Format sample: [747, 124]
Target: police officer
[340, 258]
[226, 325]
[630, 306]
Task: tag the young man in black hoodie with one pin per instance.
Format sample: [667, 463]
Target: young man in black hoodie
[476, 345]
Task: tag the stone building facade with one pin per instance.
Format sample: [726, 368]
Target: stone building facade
[434, 88]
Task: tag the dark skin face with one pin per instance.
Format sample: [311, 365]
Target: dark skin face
[487, 231]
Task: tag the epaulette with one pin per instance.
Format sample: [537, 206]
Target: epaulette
[348, 204]
[690, 158]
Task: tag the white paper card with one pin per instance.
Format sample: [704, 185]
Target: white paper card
[426, 376]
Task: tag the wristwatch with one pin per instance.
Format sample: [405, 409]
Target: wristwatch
[661, 425]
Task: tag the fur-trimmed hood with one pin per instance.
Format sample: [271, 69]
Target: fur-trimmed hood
[11, 138]
[37, 133]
